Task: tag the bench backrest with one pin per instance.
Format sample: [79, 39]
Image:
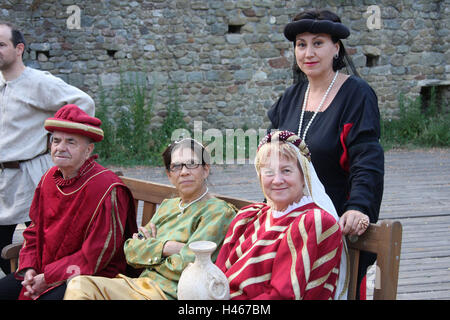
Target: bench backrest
[152, 194]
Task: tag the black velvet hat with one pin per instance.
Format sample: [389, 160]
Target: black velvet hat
[335, 29]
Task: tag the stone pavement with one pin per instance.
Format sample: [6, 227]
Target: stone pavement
[416, 192]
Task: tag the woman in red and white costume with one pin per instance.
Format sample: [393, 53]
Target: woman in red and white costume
[291, 247]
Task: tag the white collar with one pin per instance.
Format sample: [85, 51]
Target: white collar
[303, 201]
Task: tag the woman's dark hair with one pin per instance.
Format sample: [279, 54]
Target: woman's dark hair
[342, 61]
[197, 148]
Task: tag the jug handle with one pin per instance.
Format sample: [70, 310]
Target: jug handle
[212, 293]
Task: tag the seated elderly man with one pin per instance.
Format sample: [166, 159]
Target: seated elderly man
[81, 215]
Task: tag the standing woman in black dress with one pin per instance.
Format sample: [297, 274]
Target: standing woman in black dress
[338, 117]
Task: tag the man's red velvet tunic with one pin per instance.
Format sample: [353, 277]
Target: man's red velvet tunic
[78, 225]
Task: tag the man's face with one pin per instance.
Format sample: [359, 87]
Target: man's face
[8, 53]
[69, 152]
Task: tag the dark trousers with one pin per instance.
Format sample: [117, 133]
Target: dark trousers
[10, 289]
[6, 236]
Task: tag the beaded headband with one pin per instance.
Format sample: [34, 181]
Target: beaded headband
[287, 136]
[335, 29]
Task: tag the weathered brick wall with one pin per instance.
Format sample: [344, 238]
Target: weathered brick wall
[228, 58]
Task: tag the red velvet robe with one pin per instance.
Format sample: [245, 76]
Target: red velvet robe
[78, 226]
[295, 256]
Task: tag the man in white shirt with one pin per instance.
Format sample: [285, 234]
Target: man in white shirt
[27, 97]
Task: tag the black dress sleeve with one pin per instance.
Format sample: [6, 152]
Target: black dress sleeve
[365, 157]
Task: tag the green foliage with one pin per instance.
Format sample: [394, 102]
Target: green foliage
[173, 120]
[414, 127]
[126, 114]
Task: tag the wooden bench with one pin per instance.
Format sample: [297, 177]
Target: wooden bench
[383, 238]
[150, 194]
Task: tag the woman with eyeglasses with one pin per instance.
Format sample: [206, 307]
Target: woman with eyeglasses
[160, 249]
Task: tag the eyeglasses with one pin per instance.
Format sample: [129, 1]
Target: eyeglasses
[179, 166]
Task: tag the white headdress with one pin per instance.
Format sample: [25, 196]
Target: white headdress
[315, 189]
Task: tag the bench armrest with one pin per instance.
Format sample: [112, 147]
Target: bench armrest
[11, 251]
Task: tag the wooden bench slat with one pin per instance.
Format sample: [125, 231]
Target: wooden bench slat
[353, 255]
[11, 253]
[369, 240]
[384, 239]
[147, 212]
[238, 203]
[149, 191]
[389, 261]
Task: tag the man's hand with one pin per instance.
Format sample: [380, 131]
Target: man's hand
[34, 284]
[28, 280]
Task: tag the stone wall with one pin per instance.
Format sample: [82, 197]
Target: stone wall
[228, 59]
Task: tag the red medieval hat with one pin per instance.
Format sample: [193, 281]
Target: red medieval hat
[72, 119]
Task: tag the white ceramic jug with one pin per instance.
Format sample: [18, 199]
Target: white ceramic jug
[203, 280]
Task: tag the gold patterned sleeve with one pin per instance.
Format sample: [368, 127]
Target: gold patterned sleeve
[211, 223]
[143, 254]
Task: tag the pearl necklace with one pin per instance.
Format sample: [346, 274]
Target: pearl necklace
[192, 202]
[305, 100]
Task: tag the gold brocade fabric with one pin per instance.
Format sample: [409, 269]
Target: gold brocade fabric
[119, 288]
[207, 219]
